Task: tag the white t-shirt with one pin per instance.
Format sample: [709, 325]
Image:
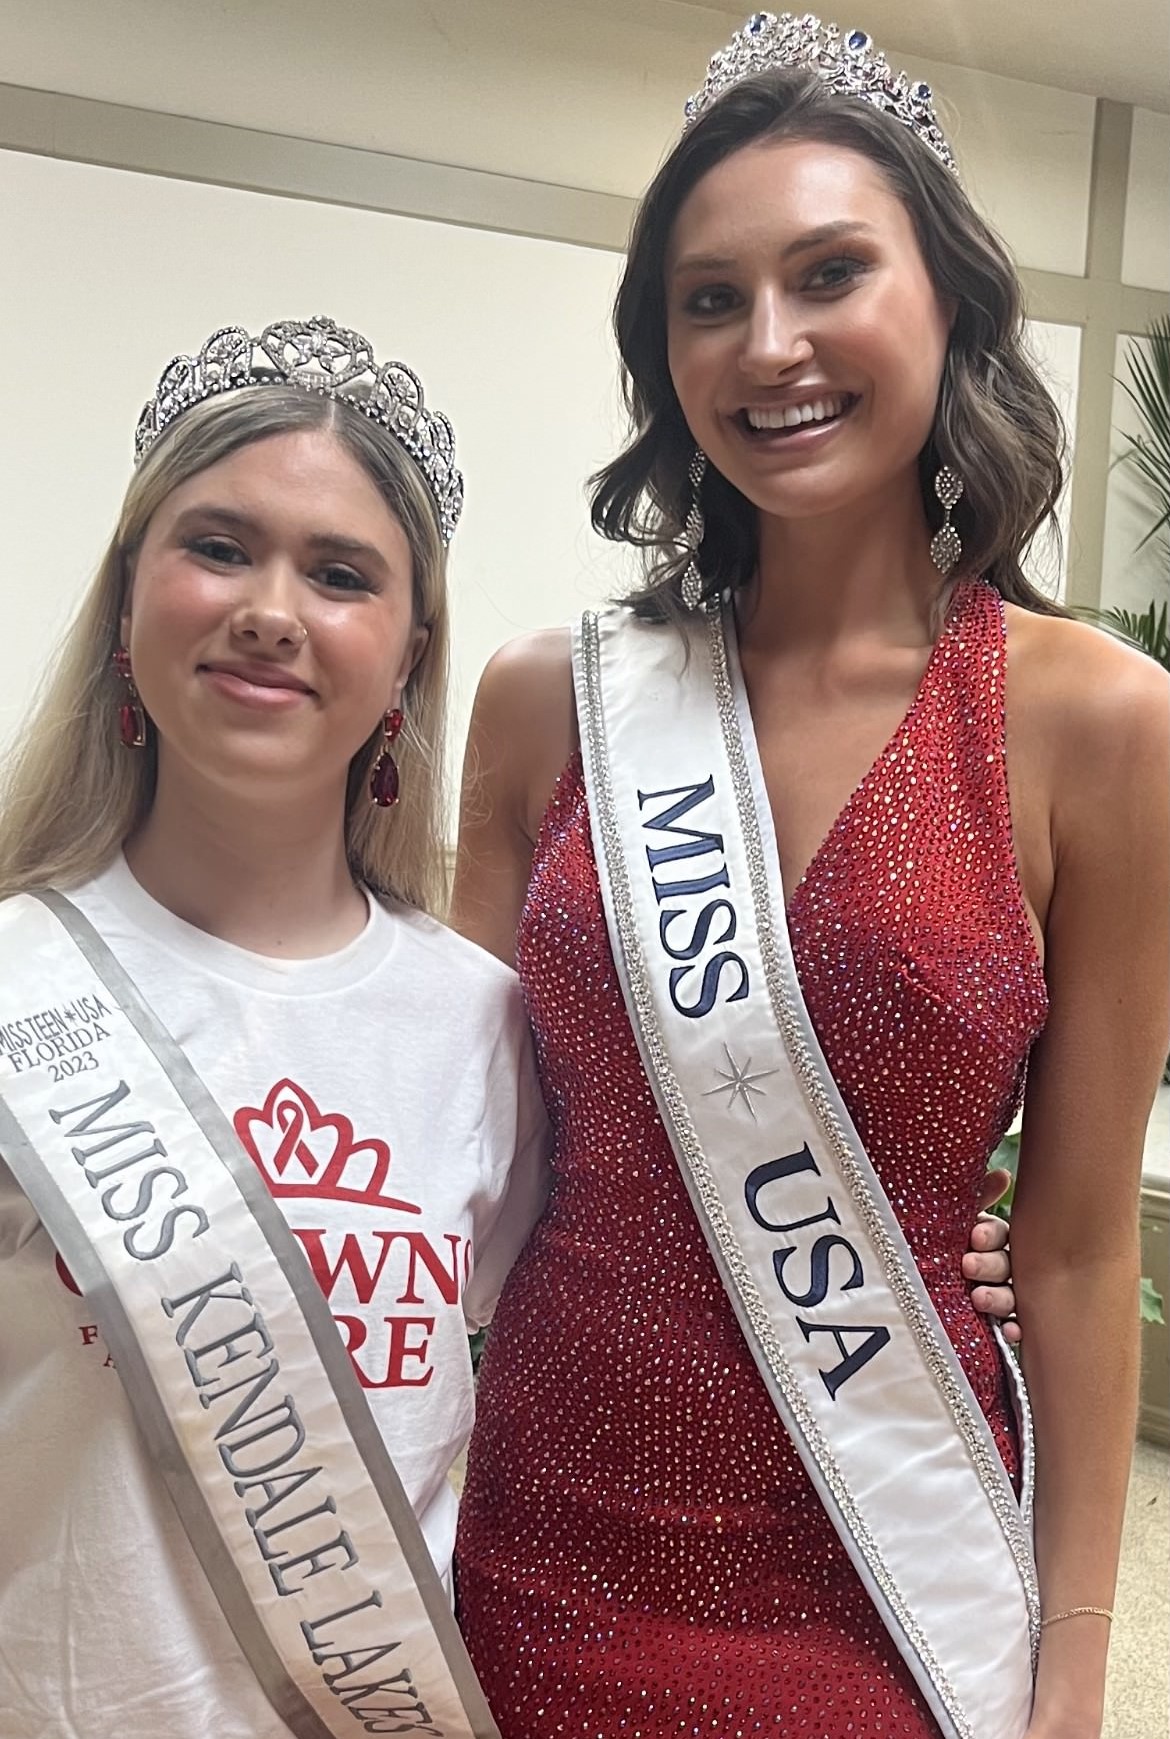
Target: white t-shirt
[391, 1077]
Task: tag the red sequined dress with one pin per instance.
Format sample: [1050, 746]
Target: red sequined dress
[640, 1552]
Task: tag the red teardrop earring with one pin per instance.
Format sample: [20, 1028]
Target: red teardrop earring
[384, 777]
[131, 718]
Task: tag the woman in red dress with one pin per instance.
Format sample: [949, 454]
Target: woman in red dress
[812, 302]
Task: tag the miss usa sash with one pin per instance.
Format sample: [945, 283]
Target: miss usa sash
[229, 1356]
[852, 1353]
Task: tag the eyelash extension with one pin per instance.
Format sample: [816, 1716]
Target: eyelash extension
[854, 269]
[227, 554]
[358, 582]
[210, 547]
[692, 303]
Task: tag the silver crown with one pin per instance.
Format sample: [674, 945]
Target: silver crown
[846, 61]
[318, 356]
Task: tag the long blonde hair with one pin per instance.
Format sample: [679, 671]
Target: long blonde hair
[71, 793]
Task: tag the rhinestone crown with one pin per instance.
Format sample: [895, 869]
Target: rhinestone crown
[318, 356]
[846, 61]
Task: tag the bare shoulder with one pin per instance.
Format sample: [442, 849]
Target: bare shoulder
[1098, 693]
[529, 678]
[524, 724]
[1097, 712]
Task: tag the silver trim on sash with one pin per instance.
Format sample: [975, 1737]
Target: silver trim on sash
[707, 645]
[285, 1696]
[820, 1089]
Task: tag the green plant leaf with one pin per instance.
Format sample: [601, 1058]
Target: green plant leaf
[1149, 369]
[1007, 1158]
[1150, 1301]
[1148, 632]
[1148, 390]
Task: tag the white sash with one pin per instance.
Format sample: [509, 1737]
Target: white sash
[224, 1342]
[854, 1357]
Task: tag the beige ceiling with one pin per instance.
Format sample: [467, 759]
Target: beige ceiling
[1109, 48]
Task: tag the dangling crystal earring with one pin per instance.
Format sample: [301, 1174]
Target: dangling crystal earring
[131, 718]
[384, 777]
[692, 538]
[945, 545]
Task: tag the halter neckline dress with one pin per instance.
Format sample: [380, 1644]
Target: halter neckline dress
[640, 1551]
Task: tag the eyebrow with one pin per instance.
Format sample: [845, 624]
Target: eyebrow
[323, 542]
[813, 238]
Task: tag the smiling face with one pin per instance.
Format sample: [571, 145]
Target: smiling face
[270, 619]
[806, 341]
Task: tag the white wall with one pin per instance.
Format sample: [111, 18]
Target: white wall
[1134, 573]
[105, 275]
[1146, 258]
[582, 95]
[1026, 152]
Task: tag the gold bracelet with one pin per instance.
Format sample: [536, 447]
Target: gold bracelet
[1077, 1612]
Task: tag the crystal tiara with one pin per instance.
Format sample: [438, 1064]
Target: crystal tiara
[318, 356]
[846, 61]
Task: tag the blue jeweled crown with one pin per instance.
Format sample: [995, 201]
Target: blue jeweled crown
[846, 61]
[318, 356]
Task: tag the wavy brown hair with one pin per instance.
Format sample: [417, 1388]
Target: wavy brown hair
[995, 424]
[70, 794]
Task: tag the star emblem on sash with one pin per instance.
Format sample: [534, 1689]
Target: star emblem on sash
[738, 1082]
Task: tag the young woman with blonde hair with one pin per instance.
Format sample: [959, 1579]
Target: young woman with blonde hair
[251, 1092]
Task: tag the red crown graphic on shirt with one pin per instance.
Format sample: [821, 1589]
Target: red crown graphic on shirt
[302, 1151]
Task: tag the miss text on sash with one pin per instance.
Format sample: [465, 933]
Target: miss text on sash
[703, 853]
